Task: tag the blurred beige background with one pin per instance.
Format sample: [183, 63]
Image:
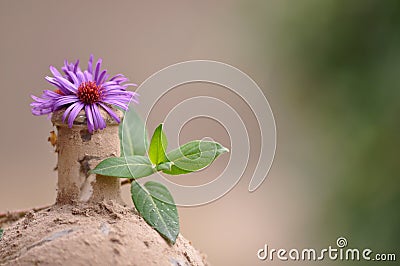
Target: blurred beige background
[138, 39]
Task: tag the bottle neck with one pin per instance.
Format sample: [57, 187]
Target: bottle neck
[80, 151]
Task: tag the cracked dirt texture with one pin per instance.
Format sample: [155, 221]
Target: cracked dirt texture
[104, 233]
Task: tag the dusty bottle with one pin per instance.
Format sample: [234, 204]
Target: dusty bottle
[89, 224]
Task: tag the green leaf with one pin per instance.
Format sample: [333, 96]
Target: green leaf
[158, 145]
[193, 156]
[164, 166]
[133, 135]
[156, 205]
[125, 167]
[176, 171]
[1, 233]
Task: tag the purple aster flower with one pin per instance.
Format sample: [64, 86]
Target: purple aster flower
[89, 90]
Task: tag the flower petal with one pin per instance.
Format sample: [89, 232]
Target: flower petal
[101, 76]
[81, 77]
[64, 100]
[104, 79]
[41, 111]
[50, 93]
[66, 84]
[74, 112]
[98, 65]
[76, 66]
[101, 124]
[117, 76]
[111, 112]
[88, 76]
[54, 71]
[89, 119]
[117, 103]
[52, 80]
[74, 78]
[95, 120]
[67, 111]
[90, 64]
[109, 83]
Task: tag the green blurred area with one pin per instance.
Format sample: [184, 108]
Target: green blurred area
[341, 67]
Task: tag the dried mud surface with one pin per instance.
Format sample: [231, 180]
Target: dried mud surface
[104, 233]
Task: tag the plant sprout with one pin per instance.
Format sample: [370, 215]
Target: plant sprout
[153, 201]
